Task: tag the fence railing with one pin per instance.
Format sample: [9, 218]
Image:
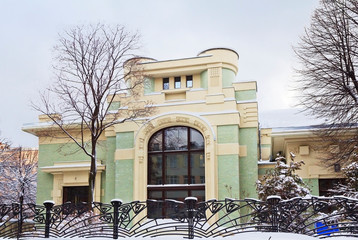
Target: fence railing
[314, 216]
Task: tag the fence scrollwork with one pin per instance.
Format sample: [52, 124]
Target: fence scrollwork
[314, 216]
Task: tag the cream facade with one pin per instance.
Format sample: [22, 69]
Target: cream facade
[202, 140]
[305, 145]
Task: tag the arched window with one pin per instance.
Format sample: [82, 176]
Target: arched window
[176, 164]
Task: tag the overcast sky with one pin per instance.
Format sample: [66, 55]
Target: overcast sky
[261, 31]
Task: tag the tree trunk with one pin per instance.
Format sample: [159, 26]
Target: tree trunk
[92, 175]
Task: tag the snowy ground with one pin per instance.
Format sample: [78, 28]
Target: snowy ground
[242, 236]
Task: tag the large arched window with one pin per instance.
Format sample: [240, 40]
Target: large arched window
[176, 164]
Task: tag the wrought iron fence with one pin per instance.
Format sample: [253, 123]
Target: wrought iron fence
[314, 216]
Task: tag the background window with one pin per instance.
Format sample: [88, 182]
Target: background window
[75, 194]
[165, 83]
[189, 81]
[177, 82]
[325, 185]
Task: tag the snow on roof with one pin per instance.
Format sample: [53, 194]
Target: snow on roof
[291, 119]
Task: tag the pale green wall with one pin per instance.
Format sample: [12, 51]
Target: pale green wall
[204, 79]
[228, 176]
[149, 85]
[245, 95]
[109, 174]
[124, 179]
[263, 171]
[228, 77]
[228, 165]
[125, 140]
[51, 153]
[313, 185]
[228, 134]
[248, 165]
[44, 180]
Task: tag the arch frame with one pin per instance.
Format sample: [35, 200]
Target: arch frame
[153, 125]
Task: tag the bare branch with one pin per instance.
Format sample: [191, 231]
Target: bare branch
[94, 66]
[328, 85]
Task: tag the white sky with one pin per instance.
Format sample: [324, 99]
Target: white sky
[261, 31]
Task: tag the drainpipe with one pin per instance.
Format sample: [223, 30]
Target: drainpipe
[259, 133]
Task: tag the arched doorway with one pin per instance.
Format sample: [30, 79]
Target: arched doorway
[176, 164]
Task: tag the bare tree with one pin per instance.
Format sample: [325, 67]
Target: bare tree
[95, 66]
[18, 172]
[328, 85]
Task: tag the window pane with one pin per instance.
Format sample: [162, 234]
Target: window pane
[155, 195]
[155, 143]
[196, 140]
[200, 194]
[176, 138]
[165, 83]
[155, 169]
[175, 171]
[177, 82]
[197, 168]
[189, 81]
[177, 195]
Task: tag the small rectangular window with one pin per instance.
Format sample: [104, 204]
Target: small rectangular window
[189, 81]
[165, 83]
[177, 82]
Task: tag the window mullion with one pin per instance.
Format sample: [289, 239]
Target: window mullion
[163, 158]
[189, 159]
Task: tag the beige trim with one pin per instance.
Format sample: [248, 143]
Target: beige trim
[167, 120]
[228, 149]
[122, 154]
[72, 174]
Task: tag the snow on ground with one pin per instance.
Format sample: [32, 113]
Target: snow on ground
[241, 236]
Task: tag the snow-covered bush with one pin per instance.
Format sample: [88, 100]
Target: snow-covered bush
[350, 187]
[282, 181]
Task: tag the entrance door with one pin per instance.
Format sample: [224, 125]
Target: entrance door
[75, 194]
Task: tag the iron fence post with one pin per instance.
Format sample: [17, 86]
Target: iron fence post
[273, 202]
[20, 220]
[190, 203]
[116, 203]
[48, 205]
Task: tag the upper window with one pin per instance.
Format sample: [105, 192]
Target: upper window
[189, 81]
[177, 82]
[165, 83]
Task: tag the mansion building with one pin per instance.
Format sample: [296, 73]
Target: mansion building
[203, 141]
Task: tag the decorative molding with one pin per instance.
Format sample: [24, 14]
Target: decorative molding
[207, 139]
[164, 121]
[200, 126]
[182, 119]
[141, 143]
[148, 128]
